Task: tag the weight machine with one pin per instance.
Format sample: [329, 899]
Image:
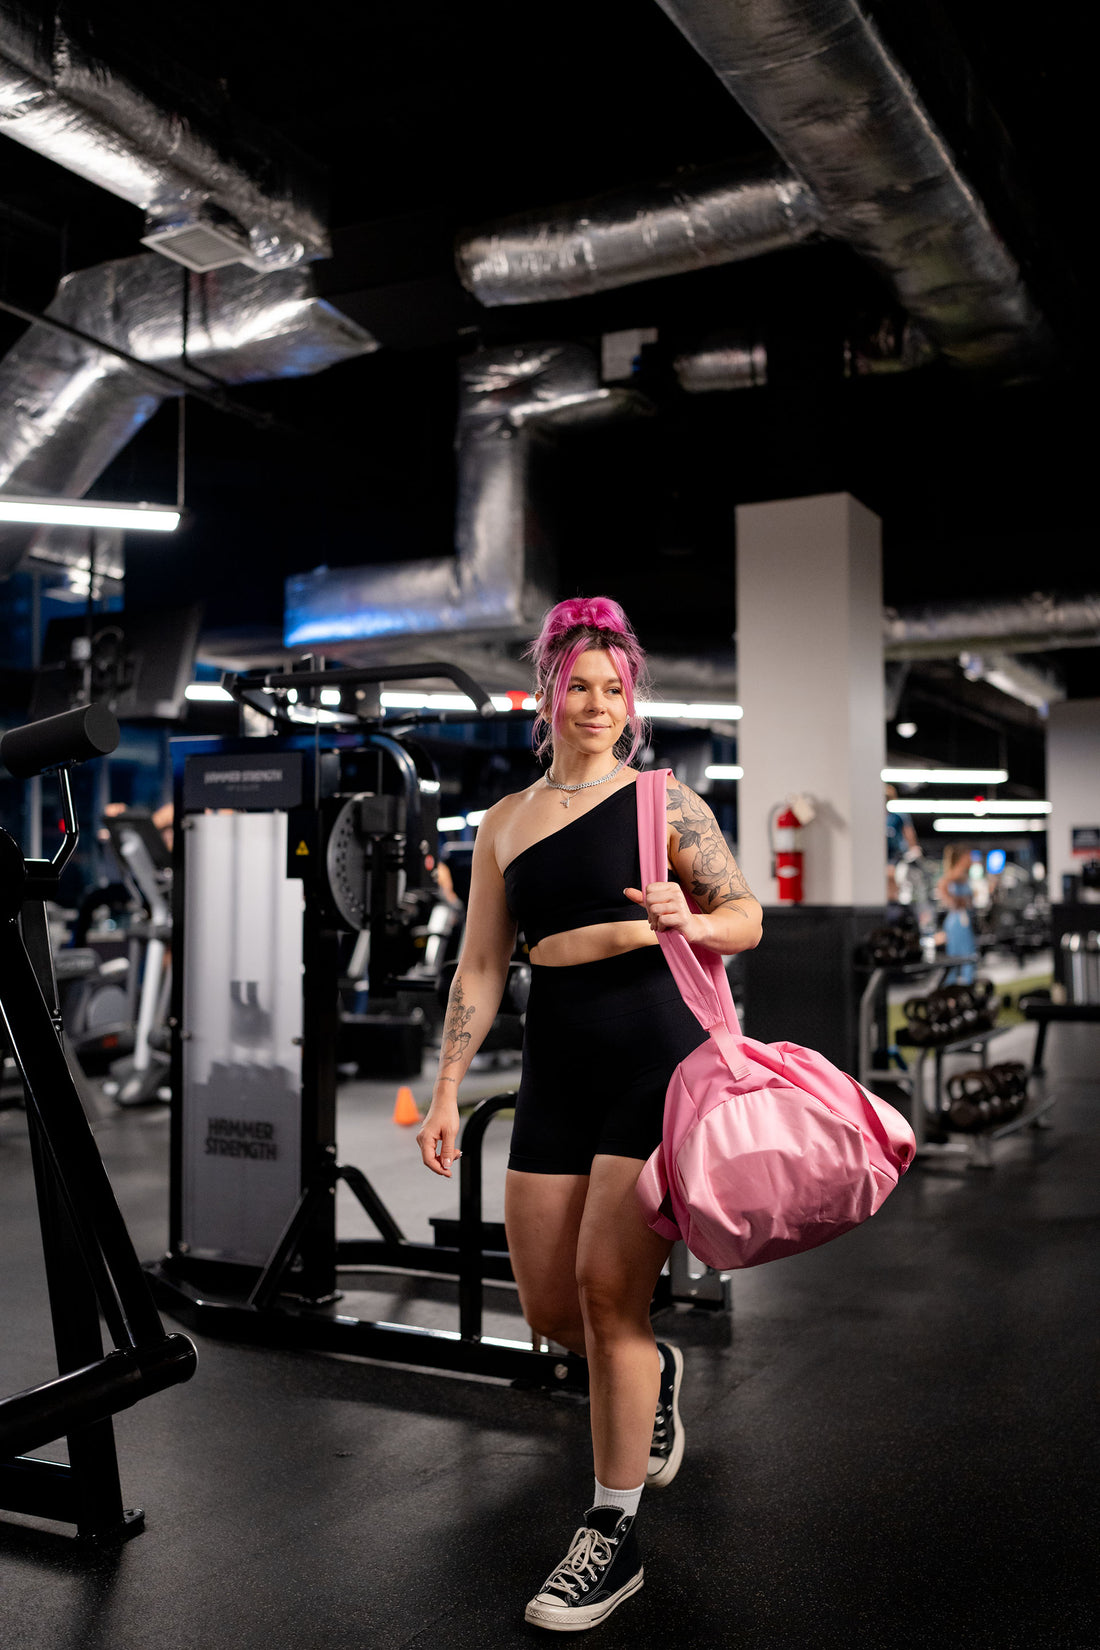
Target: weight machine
[283, 845]
[90, 1262]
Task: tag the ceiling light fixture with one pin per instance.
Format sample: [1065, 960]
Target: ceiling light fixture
[1007, 827]
[445, 701]
[723, 770]
[67, 512]
[944, 776]
[658, 710]
[943, 804]
[205, 690]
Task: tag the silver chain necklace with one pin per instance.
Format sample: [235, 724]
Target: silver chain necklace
[585, 784]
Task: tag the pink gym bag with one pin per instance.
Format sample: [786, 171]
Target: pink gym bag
[767, 1147]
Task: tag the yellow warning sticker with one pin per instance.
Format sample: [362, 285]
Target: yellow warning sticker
[301, 849]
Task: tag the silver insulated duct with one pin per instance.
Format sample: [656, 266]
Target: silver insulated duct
[67, 406]
[714, 216]
[208, 201]
[1027, 624]
[824, 89]
[727, 363]
[501, 579]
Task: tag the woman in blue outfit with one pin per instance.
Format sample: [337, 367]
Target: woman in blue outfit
[604, 1030]
[953, 892]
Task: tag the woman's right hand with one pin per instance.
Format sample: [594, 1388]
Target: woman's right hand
[438, 1133]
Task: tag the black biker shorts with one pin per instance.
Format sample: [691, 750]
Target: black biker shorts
[600, 1043]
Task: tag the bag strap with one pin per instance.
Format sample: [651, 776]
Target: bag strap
[699, 973]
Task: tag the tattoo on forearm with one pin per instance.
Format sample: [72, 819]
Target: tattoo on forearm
[715, 878]
[456, 1038]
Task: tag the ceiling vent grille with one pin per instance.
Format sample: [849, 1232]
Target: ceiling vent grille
[200, 246]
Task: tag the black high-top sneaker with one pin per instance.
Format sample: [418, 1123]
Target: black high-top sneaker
[667, 1449]
[602, 1568]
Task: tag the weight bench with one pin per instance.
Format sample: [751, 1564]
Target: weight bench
[1043, 1010]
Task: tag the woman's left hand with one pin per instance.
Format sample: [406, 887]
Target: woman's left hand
[668, 911]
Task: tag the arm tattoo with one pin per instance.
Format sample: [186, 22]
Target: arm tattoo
[456, 1038]
[715, 879]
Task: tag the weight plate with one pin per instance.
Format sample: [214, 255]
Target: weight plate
[345, 866]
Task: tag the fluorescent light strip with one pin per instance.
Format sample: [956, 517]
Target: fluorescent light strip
[660, 711]
[205, 690]
[452, 822]
[58, 512]
[947, 804]
[444, 701]
[1007, 827]
[723, 770]
[944, 776]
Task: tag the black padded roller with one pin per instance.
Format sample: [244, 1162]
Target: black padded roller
[74, 736]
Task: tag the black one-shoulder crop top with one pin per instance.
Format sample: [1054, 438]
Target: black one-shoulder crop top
[575, 876]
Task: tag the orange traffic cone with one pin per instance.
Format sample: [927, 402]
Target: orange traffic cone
[406, 1110]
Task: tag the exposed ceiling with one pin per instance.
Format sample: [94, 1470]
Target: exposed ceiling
[435, 118]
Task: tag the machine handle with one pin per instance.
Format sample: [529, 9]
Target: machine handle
[73, 736]
[380, 673]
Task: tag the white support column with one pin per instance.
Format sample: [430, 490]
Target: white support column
[810, 678]
[1073, 784]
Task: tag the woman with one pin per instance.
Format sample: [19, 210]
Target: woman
[605, 1028]
[953, 892]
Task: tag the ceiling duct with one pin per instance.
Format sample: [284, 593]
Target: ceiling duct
[714, 216]
[67, 406]
[502, 577]
[1027, 624]
[732, 361]
[842, 114]
[1037, 688]
[727, 363]
[208, 200]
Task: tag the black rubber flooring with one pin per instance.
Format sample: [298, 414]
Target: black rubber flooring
[891, 1447]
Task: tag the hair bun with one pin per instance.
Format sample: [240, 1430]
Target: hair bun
[594, 612]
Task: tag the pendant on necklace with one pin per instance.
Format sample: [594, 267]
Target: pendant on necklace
[565, 801]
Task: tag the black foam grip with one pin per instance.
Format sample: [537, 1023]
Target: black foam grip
[74, 736]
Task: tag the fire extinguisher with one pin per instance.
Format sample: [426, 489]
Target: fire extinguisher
[787, 843]
[787, 820]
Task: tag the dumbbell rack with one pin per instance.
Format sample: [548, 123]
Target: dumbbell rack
[978, 1146]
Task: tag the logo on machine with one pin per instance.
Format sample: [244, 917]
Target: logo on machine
[301, 850]
[225, 781]
[250, 776]
[241, 1137]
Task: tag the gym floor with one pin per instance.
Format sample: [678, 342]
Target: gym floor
[890, 1441]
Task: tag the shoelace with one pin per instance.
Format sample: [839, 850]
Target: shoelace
[589, 1552]
[661, 1442]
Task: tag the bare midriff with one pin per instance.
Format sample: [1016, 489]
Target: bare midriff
[593, 944]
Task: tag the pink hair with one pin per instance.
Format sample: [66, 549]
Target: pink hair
[568, 630]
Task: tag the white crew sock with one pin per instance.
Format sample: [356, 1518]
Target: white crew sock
[626, 1499]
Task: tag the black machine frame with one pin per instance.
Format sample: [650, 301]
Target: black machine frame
[90, 1262]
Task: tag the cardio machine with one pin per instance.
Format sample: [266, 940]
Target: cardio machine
[146, 865]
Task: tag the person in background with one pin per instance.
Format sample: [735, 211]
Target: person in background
[953, 893]
[901, 834]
